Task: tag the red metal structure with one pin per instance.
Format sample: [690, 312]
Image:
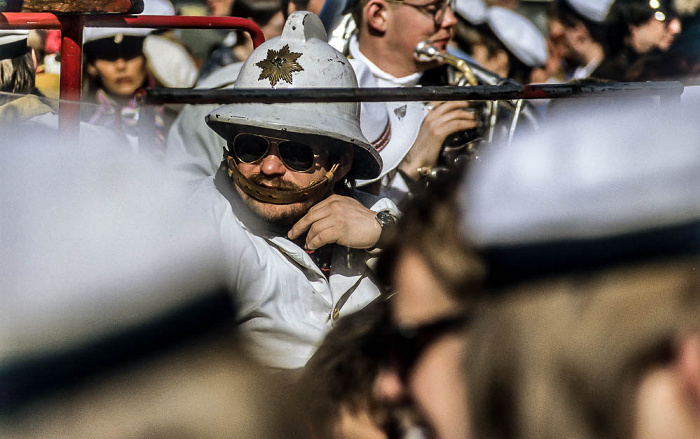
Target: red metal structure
[71, 27]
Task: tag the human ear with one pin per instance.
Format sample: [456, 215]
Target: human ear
[501, 62]
[91, 70]
[376, 14]
[344, 166]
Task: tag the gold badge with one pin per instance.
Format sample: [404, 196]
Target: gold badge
[118, 38]
[279, 64]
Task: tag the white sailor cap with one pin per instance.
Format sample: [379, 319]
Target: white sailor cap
[13, 43]
[78, 267]
[592, 186]
[519, 35]
[594, 10]
[588, 172]
[473, 11]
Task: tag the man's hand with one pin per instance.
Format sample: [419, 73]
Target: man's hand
[444, 119]
[341, 220]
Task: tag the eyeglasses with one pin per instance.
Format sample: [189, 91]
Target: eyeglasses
[408, 343]
[436, 10]
[250, 148]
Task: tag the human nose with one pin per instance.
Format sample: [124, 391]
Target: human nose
[272, 164]
[674, 26]
[388, 385]
[449, 19]
[120, 63]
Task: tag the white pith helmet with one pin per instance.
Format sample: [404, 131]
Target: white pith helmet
[300, 58]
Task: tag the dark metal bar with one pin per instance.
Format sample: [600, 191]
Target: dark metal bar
[147, 128]
[159, 96]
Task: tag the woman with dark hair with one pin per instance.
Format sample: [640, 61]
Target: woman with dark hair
[643, 28]
[115, 68]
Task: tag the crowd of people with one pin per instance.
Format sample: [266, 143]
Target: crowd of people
[454, 269]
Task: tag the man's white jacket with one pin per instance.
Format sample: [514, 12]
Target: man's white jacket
[285, 303]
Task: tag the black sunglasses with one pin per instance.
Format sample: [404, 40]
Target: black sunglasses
[250, 148]
[408, 343]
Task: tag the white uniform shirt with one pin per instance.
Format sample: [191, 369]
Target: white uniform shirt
[405, 118]
[286, 304]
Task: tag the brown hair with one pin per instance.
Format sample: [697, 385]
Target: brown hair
[17, 74]
[341, 374]
[563, 358]
[430, 226]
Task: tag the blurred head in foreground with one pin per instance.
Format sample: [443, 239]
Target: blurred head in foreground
[338, 380]
[435, 280]
[114, 322]
[591, 234]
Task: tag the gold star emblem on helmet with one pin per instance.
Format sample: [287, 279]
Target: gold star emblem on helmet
[279, 65]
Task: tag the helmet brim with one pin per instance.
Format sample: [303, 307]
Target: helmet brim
[367, 163]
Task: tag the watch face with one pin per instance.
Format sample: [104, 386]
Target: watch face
[385, 218]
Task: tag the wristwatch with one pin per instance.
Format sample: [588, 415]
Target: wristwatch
[385, 218]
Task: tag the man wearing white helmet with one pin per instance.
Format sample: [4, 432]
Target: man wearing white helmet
[297, 248]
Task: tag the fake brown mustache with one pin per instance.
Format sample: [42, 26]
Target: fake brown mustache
[276, 183]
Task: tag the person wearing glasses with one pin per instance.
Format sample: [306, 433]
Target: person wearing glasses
[393, 369]
[435, 280]
[645, 28]
[382, 54]
[296, 231]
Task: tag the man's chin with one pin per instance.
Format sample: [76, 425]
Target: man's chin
[278, 214]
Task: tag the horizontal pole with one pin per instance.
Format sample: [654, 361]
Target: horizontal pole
[160, 96]
[73, 6]
[41, 20]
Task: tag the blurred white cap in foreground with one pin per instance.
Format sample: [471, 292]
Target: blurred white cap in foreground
[94, 240]
[589, 173]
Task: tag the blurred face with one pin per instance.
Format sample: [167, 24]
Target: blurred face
[498, 63]
[556, 40]
[667, 399]
[120, 77]
[276, 170]
[412, 21]
[273, 28]
[315, 6]
[655, 34]
[219, 8]
[434, 381]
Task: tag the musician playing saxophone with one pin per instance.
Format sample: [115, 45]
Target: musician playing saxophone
[408, 135]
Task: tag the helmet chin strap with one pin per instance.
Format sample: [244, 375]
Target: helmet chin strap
[275, 195]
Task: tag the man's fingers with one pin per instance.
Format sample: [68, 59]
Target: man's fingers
[321, 233]
[314, 214]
